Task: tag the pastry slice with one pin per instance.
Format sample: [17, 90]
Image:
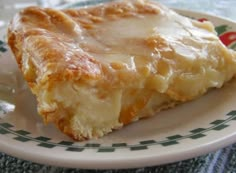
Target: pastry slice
[99, 68]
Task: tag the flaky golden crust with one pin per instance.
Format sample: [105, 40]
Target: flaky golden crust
[140, 70]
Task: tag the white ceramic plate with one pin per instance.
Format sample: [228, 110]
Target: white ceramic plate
[189, 130]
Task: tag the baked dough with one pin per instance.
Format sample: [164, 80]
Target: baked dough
[99, 68]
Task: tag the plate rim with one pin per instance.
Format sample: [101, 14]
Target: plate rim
[117, 163]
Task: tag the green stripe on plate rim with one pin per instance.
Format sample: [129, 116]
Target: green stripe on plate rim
[41, 141]
[3, 46]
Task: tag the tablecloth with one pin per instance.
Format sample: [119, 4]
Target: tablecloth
[221, 161]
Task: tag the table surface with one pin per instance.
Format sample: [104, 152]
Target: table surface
[223, 160]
